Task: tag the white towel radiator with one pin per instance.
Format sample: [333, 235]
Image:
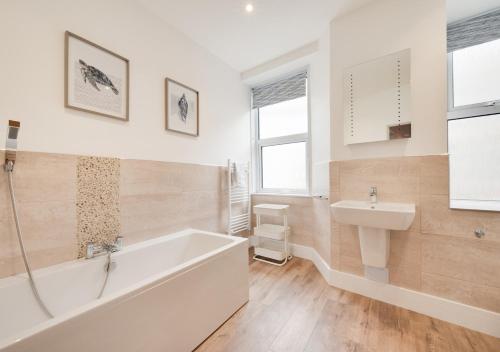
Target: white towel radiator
[239, 209]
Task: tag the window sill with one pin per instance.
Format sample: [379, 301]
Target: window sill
[282, 195]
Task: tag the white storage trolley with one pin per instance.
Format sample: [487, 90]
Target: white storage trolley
[272, 240]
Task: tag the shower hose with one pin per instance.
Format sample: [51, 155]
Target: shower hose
[9, 168]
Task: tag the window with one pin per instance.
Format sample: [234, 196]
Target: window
[474, 112]
[476, 74]
[282, 119]
[282, 137]
[473, 66]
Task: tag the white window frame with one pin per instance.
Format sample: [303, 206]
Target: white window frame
[471, 110]
[288, 139]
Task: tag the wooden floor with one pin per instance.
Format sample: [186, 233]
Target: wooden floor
[292, 308]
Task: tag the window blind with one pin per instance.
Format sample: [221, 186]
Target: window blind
[474, 30]
[285, 89]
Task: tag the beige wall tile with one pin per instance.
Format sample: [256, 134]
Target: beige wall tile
[391, 176]
[437, 218]
[43, 241]
[156, 177]
[8, 236]
[405, 249]
[37, 258]
[4, 190]
[473, 260]
[351, 265]
[167, 214]
[45, 187]
[349, 241]
[335, 244]
[434, 175]
[158, 198]
[486, 297]
[405, 259]
[405, 276]
[335, 256]
[302, 239]
[321, 224]
[335, 177]
[335, 229]
[41, 177]
[334, 197]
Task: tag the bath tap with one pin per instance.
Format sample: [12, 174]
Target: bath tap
[373, 195]
[94, 250]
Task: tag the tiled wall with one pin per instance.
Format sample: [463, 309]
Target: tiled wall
[45, 187]
[159, 197]
[60, 204]
[439, 254]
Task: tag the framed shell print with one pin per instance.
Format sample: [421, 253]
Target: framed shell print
[181, 108]
[96, 79]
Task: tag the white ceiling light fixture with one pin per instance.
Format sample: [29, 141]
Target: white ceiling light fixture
[249, 8]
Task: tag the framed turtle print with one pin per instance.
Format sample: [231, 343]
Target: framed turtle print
[96, 79]
[181, 108]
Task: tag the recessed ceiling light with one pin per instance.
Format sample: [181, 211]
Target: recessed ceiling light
[249, 7]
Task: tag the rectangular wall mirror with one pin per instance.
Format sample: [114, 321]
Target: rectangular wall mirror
[377, 99]
[474, 112]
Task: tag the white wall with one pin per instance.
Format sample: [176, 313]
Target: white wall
[32, 89]
[380, 28]
[319, 88]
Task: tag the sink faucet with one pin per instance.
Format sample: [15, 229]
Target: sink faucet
[94, 250]
[373, 195]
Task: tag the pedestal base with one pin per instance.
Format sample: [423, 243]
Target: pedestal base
[377, 274]
[374, 246]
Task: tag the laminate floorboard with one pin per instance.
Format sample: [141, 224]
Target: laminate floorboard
[293, 309]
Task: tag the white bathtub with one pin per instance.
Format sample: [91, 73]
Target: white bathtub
[166, 294]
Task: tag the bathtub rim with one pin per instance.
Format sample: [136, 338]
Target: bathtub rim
[128, 292]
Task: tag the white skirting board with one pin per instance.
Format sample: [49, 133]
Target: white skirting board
[470, 317]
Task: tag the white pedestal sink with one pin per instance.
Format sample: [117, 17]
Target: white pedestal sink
[374, 221]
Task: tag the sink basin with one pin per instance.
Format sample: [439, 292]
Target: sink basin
[388, 216]
[374, 221]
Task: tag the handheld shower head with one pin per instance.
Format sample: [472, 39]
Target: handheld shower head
[11, 143]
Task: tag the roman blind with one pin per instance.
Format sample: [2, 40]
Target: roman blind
[285, 89]
[473, 31]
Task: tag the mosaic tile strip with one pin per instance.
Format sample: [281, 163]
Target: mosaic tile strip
[97, 200]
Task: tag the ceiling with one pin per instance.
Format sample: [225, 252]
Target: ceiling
[459, 9]
[245, 40]
[275, 27]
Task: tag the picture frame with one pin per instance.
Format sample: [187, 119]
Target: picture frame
[96, 80]
[182, 113]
